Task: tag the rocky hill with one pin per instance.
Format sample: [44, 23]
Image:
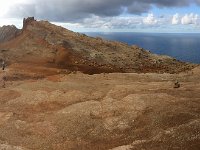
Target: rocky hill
[45, 44]
[46, 104]
[8, 32]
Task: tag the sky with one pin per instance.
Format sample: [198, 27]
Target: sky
[166, 16]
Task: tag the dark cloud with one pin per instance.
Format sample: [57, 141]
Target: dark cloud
[170, 3]
[197, 1]
[73, 10]
[138, 7]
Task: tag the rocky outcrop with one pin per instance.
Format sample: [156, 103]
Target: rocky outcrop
[27, 21]
[8, 32]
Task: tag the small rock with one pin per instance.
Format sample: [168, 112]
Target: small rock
[177, 84]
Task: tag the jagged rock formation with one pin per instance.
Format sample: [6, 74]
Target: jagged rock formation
[8, 32]
[46, 44]
[27, 21]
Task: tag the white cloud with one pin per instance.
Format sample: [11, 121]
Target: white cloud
[150, 20]
[112, 22]
[11, 21]
[5, 5]
[189, 19]
[176, 19]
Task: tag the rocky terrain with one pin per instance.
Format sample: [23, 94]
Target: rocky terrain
[45, 44]
[8, 32]
[117, 111]
[52, 102]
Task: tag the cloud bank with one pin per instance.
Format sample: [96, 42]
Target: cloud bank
[102, 14]
[190, 19]
[187, 19]
[73, 10]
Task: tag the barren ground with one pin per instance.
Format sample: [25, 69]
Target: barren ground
[46, 108]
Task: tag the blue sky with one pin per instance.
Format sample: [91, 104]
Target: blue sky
[108, 15]
[193, 8]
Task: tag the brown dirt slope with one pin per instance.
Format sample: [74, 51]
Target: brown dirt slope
[45, 44]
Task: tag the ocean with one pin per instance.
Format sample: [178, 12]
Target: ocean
[182, 46]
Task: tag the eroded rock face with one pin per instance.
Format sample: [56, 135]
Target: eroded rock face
[8, 32]
[26, 21]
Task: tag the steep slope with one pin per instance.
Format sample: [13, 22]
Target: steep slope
[43, 43]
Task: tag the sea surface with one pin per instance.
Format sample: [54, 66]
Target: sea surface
[182, 46]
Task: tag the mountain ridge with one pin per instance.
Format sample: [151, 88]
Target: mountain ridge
[43, 43]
